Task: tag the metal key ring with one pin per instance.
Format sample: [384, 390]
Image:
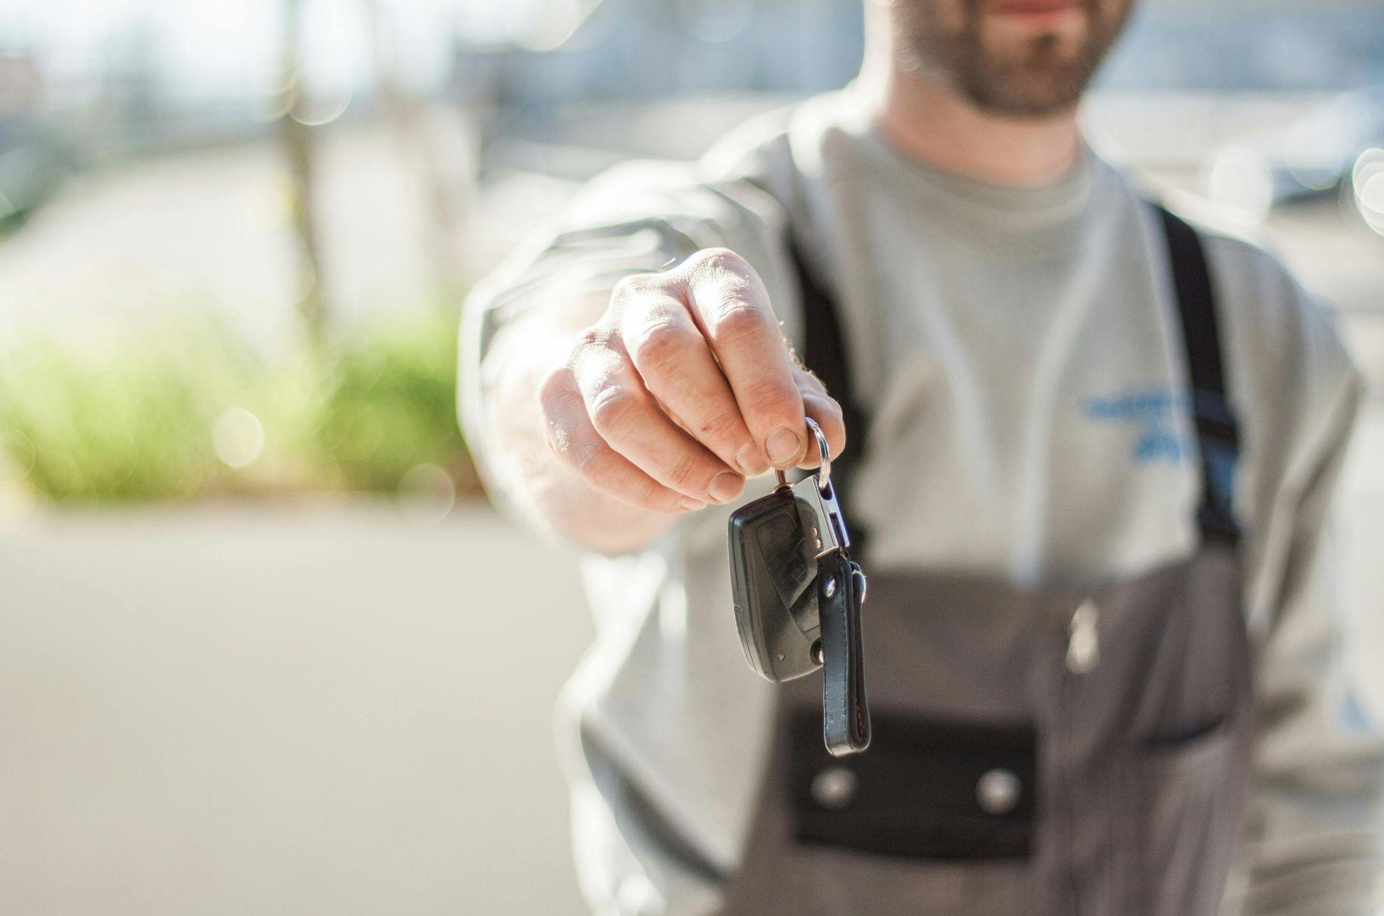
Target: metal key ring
[824, 471]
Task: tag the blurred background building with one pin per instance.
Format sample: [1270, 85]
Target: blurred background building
[245, 662]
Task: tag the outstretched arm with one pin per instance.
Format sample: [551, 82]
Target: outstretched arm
[607, 417]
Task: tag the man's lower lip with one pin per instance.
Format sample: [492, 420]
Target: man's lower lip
[1033, 6]
[1034, 10]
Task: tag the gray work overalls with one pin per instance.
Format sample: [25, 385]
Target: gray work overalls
[1033, 753]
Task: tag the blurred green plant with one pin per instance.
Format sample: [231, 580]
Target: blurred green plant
[389, 404]
[93, 426]
[182, 411]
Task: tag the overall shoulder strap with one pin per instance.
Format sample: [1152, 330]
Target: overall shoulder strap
[1217, 429]
[825, 353]
[1218, 434]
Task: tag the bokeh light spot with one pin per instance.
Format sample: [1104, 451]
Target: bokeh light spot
[1367, 181]
[238, 437]
[1371, 194]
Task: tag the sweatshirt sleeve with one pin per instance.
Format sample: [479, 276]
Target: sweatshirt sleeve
[621, 223]
[639, 217]
[1310, 841]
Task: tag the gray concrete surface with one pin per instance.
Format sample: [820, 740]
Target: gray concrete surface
[322, 711]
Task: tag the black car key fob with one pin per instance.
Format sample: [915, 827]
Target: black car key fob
[798, 597]
[772, 571]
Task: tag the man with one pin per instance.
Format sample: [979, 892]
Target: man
[1093, 454]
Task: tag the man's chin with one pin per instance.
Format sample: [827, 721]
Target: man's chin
[1022, 58]
[1028, 88]
[1033, 74]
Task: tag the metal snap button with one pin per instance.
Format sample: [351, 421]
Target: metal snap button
[1083, 639]
[998, 791]
[834, 788]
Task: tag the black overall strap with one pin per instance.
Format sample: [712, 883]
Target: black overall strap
[825, 353]
[1218, 432]
[1216, 427]
[846, 714]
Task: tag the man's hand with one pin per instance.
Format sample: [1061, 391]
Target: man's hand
[682, 389]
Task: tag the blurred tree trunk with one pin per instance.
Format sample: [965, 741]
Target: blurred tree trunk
[299, 146]
[437, 158]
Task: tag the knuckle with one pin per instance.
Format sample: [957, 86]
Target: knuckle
[739, 320]
[613, 411]
[719, 260]
[596, 463]
[726, 271]
[591, 339]
[767, 397]
[650, 495]
[661, 344]
[623, 287]
[556, 390]
[684, 472]
[719, 427]
[593, 334]
[632, 286]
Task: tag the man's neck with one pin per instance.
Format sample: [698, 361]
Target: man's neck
[939, 128]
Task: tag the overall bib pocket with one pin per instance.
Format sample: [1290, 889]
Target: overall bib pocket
[927, 789]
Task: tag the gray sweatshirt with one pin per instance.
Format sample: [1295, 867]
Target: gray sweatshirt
[1019, 361]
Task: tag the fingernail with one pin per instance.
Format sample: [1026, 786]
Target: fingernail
[784, 446]
[690, 504]
[726, 487]
[751, 460]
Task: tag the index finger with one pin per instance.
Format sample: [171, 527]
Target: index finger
[731, 306]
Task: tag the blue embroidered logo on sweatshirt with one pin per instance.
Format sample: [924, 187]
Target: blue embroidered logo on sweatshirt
[1152, 412]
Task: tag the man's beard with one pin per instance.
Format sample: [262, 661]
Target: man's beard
[1045, 75]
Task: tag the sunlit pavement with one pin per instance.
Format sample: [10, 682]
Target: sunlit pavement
[326, 711]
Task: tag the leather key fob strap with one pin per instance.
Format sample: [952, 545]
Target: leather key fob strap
[846, 719]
